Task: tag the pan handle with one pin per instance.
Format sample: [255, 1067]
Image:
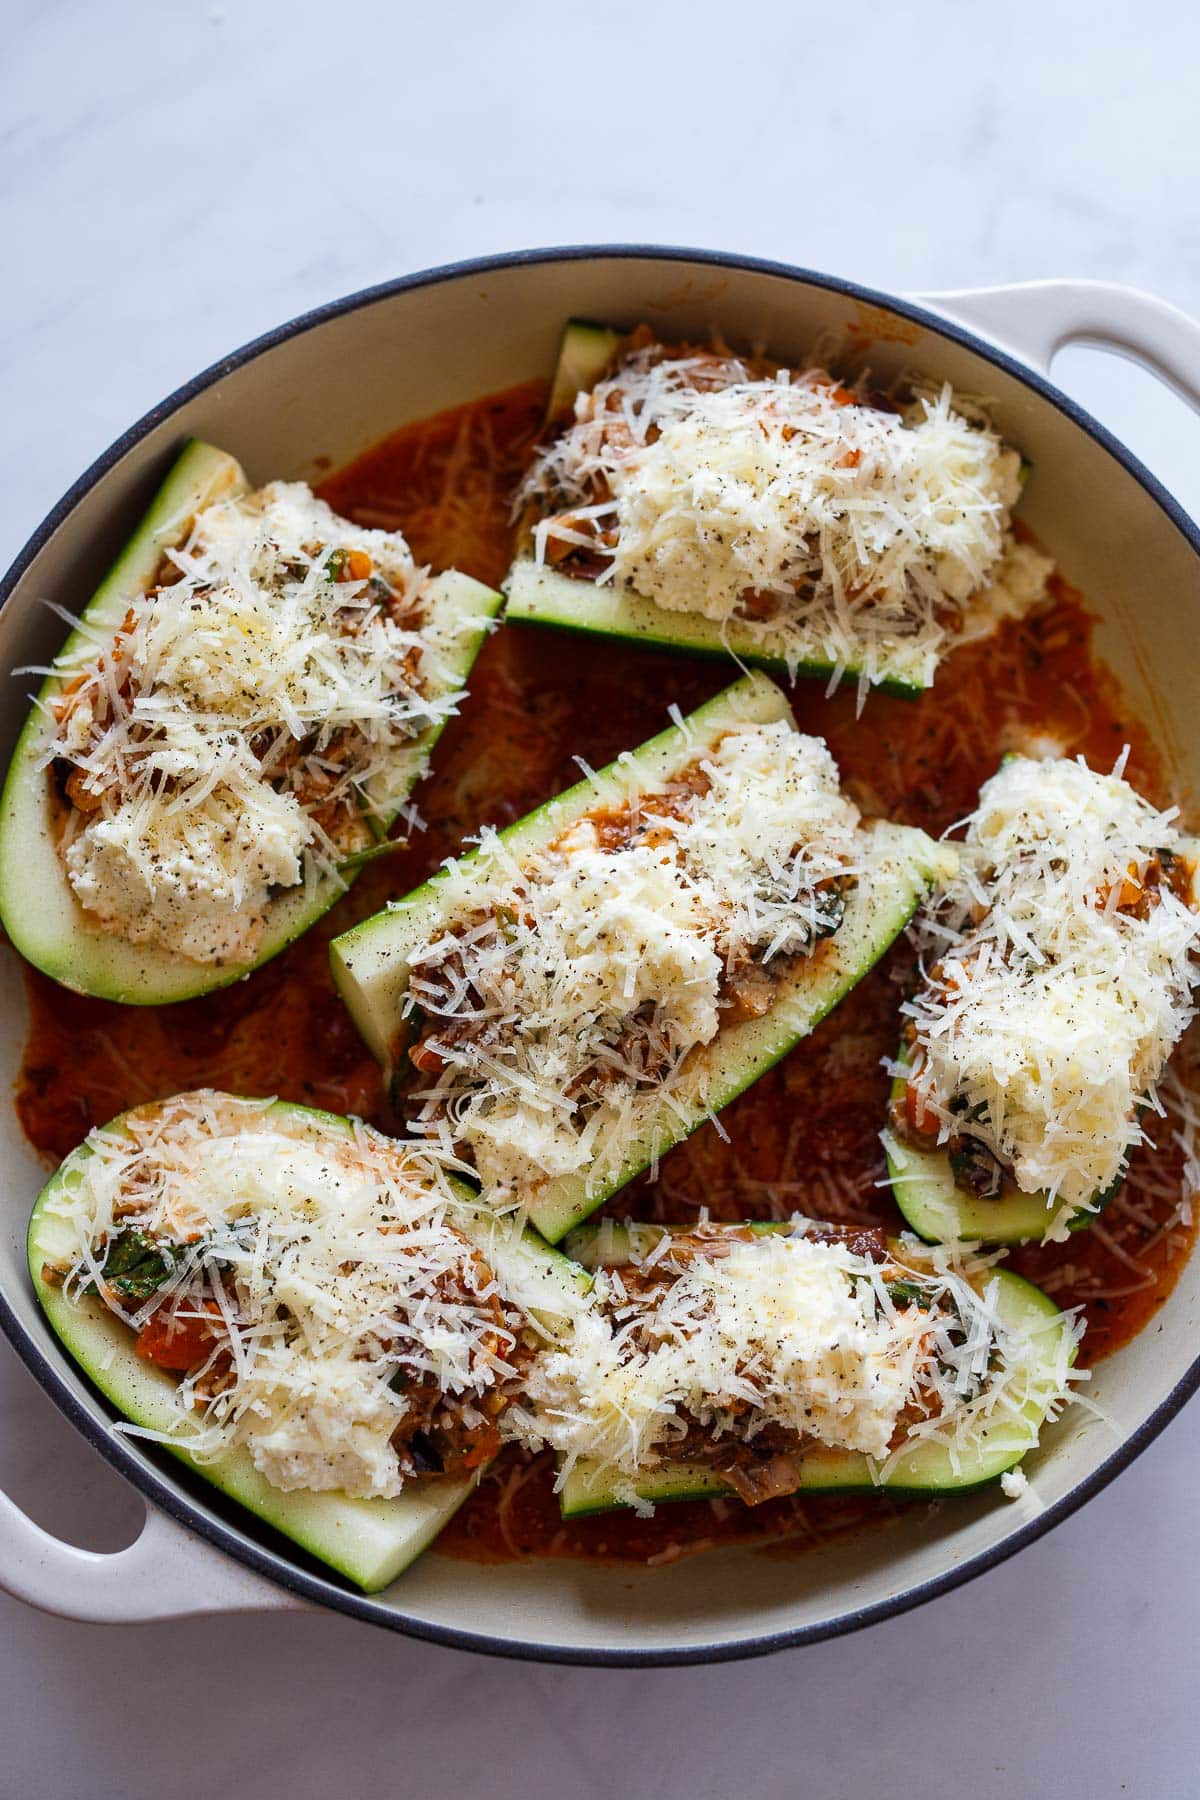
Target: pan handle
[166, 1573]
[1034, 319]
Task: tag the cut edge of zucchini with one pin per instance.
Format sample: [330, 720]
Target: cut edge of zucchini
[544, 597]
[370, 961]
[38, 907]
[930, 1470]
[540, 596]
[368, 1541]
[583, 355]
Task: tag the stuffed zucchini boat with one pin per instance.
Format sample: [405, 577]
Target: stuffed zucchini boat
[568, 1001]
[1060, 964]
[696, 500]
[951, 1194]
[314, 1318]
[240, 714]
[764, 1360]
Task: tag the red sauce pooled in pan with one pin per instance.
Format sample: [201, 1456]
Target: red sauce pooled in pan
[805, 1137]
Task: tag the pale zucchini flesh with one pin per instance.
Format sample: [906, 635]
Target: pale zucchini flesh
[370, 1542]
[38, 907]
[583, 355]
[371, 970]
[542, 596]
[928, 1469]
[939, 1211]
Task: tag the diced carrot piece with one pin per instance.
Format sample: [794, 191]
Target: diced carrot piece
[1131, 888]
[177, 1344]
[82, 798]
[923, 1121]
[358, 563]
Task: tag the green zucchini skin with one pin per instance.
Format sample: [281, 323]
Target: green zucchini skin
[583, 355]
[927, 1471]
[939, 1211]
[370, 1542]
[38, 907]
[540, 596]
[546, 598]
[371, 972]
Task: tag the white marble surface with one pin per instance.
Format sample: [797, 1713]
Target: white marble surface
[177, 176]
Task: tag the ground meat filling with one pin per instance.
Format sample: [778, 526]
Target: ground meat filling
[448, 1434]
[976, 1167]
[188, 1335]
[319, 775]
[760, 1460]
[582, 546]
[251, 728]
[640, 1050]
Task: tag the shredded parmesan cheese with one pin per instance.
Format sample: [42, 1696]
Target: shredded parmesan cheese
[343, 1327]
[833, 528]
[782, 1331]
[247, 721]
[1061, 975]
[334, 1267]
[559, 1008]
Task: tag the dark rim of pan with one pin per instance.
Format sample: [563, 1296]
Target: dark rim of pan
[287, 1568]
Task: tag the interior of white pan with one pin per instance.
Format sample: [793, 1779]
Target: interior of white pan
[328, 388]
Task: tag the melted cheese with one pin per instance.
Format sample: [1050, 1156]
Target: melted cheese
[338, 1263]
[1052, 1017]
[565, 999]
[869, 534]
[247, 709]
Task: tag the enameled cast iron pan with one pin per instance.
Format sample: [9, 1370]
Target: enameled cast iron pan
[332, 383]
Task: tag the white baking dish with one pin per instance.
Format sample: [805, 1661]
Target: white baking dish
[330, 384]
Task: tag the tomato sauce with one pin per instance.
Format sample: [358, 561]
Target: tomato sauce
[805, 1137]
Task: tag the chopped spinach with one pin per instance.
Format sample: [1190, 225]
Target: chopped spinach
[135, 1266]
[906, 1293]
[831, 910]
